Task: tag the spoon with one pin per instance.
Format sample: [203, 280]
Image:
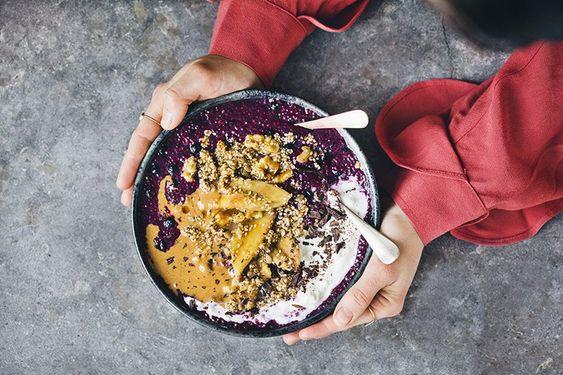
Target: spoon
[355, 119]
[383, 247]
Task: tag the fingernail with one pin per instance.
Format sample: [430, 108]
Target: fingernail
[343, 316]
[291, 341]
[166, 122]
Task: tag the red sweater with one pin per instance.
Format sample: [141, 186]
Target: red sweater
[482, 161]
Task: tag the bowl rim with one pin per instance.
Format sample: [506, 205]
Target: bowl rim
[177, 301]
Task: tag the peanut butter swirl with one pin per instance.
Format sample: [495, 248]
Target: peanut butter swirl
[237, 244]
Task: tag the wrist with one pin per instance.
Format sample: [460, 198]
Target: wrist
[247, 74]
[397, 226]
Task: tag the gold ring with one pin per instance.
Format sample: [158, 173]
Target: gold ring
[148, 117]
[372, 315]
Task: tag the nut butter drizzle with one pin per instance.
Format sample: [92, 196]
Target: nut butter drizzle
[188, 267]
[235, 228]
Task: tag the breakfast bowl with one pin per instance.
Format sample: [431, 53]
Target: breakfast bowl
[231, 218]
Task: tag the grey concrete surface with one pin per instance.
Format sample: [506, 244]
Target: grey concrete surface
[73, 295]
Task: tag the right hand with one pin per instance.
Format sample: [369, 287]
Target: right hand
[204, 78]
[382, 287]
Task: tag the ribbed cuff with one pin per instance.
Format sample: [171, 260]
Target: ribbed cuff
[258, 34]
[435, 205]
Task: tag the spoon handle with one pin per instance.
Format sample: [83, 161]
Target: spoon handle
[382, 246]
[352, 119]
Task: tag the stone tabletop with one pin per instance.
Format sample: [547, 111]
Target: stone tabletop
[74, 297]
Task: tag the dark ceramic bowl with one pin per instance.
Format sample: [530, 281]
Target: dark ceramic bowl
[177, 301]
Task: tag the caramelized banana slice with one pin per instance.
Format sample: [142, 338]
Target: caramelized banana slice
[287, 254]
[243, 202]
[275, 195]
[245, 248]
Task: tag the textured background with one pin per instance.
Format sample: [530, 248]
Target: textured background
[73, 295]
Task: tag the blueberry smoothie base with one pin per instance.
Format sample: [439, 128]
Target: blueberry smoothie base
[234, 121]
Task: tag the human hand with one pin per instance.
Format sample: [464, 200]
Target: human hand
[383, 287]
[204, 78]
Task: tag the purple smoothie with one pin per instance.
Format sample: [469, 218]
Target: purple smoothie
[233, 121]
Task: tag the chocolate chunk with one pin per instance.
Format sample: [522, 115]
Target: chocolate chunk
[335, 213]
[335, 233]
[314, 214]
[172, 169]
[339, 246]
[168, 222]
[195, 148]
[253, 311]
[296, 279]
[160, 244]
[312, 272]
[323, 220]
[264, 290]
[312, 232]
[274, 270]
[325, 240]
[309, 195]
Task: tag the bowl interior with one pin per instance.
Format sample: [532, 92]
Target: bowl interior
[177, 301]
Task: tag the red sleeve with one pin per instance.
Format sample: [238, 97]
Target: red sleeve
[484, 162]
[263, 33]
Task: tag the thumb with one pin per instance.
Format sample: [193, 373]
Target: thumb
[177, 99]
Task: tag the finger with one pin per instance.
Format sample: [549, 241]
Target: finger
[291, 338]
[319, 330]
[360, 295]
[387, 306]
[381, 307]
[327, 327]
[126, 197]
[177, 98]
[140, 141]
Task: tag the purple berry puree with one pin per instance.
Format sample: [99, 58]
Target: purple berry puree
[233, 121]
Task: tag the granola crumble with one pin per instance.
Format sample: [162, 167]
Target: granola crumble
[239, 220]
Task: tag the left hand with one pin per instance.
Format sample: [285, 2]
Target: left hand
[204, 78]
[383, 287]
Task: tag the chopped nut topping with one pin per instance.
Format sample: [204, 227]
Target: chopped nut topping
[189, 169]
[305, 154]
[240, 219]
